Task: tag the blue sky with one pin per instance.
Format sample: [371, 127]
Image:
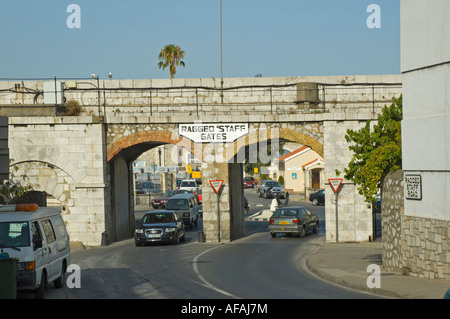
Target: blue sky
[268, 37]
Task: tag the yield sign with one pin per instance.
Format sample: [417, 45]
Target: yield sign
[216, 185]
[335, 183]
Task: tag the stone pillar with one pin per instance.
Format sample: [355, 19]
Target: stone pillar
[229, 225]
[354, 216]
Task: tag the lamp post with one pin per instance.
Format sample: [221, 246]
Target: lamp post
[221, 73]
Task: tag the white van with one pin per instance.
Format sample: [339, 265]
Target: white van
[39, 240]
[190, 185]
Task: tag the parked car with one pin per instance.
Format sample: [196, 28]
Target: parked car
[149, 188]
[138, 188]
[190, 185]
[160, 202]
[271, 189]
[293, 220]
[159, 226]
[249, 182]
[317, 197]
[186, 206]
[262, 183]
[39, 241]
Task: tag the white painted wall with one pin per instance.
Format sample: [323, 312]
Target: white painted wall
[425, 47]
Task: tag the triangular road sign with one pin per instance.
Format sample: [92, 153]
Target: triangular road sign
[335, 183]
[216, 185]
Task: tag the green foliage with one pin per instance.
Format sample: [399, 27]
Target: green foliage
[11, 188]
[377, 151]
[281, 180]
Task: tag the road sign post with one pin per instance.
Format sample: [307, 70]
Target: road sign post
[335, 184]
[217, 187]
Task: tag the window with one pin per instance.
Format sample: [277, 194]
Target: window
[14, 234]
[285, 213]
[48, 231]
[36, 233]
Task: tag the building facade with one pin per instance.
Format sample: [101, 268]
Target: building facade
[425, 63]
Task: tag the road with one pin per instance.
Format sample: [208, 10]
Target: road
[254, 267]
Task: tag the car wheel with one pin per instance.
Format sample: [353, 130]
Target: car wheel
[316, 228]
[40, 291]
[59, 282]
[273, 235]
[303, 232]
[176, 240]
[315, 202]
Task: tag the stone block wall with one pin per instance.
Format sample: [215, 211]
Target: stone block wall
[414, 246]
[426, 247]
[391, 221]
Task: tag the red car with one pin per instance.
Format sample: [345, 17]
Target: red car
[249, 182]
[160, 202]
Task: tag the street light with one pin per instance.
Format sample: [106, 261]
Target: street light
[221, 73]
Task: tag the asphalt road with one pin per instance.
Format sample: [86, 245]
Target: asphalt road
[256, 267]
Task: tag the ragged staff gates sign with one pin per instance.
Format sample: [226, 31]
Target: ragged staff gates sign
[213, 133]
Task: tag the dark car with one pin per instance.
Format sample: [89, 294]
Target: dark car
[317, 197]
[159, 226]
[249, 182]
[293, 220]
[160, 202]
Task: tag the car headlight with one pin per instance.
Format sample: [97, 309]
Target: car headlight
[186, 215]
[170, 230]
[139, 231]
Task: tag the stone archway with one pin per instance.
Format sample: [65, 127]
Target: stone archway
[135, 139]
[47, 177]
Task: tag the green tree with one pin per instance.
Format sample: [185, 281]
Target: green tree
[170, 56]
[11, 189]
[377, 151]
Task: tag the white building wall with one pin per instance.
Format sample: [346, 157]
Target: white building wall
[425, 34]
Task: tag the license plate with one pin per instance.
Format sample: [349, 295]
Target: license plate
[153, 236]
[283, 223]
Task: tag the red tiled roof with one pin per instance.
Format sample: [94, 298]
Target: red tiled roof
[301, 149]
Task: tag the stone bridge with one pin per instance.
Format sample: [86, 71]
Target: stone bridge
[81, 152]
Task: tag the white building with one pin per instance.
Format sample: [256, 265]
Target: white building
[425, 56]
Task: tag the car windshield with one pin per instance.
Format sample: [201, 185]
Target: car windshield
[177, 204]
[285, 212]
[188, 184]
[158, 218]
[249, 178]
[14, 234]
[273, 184]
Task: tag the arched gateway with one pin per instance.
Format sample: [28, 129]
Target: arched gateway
[84, 161]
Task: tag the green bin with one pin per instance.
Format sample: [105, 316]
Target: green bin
[8, 278]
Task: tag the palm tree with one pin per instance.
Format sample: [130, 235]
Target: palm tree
[171, 57]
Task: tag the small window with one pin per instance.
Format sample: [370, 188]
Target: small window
[48, 231]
